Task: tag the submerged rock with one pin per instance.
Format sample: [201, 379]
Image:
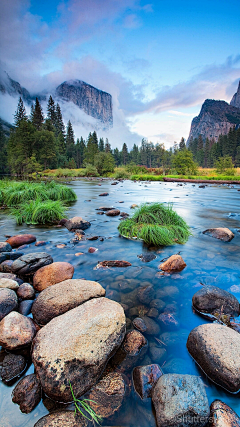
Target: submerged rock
[63, 419]
[146, 294]
[13, 365]
[8, 301]
[113, 212]
[223, 234]
[64, 296]
[173, 264]
[180, 400]
[21, 239]
[144, 379]
[16, 331]
[27, 393]
[27, 265]
[222, 415]
[104, 194]
[214, 300]
[131, 352]
[108, 394]
[76, 347]
[115, 263]
[216, 350]
[147, 257]
[51, 274]
[9, 283]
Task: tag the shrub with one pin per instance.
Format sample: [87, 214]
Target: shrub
[90, 170]
[121, 173]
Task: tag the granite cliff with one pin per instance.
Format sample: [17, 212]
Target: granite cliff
[92, 101]
[13, 88]
[216, 118]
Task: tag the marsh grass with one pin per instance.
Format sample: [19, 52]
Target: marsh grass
[82, 406]
[156, 224]
[36, 203]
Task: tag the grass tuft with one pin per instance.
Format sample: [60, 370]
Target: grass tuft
[38, 212]
[82, 406]
[156, 224]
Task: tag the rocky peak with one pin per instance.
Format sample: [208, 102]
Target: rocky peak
[13, 88]
[92, 101]
[235, 102]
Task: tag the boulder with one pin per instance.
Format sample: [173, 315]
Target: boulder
[21, 239]
[222, 415]
[216, 350]
[144, 379]
[174, 338]
[133, 206]
[64, 296]
[27, 393]
[16, 331]
[108, 395]
[13, 365]
[51, 274]
[27, 265]
[63, 419]
[6, 266]
[8, 301]
[25, 291]
[146, 257]
[5, 247]
[180, 400]
[9, 283]
[173, 264]
[77, 223]
[113, 212]
[223, 234]
[76, 346]
[214, 300]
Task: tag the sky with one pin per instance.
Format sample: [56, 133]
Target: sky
[158, 59]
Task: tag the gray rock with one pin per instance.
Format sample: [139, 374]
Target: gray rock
[158, 354]
[139, 324]
[222, 415]
[152, 327]
[144, 379]
[174, 338]
[62, 297]
[25, 307]
[5, 247]
[9, 283]
[180, 400]
[26, 291]
[13, 365]
[76, 347]
[146, 294]
[8, 301]
[27, 265]
[223, 234]
[6, 266]
[16, 331]
[27, 393]
[77, 223]
[63, 419]
[214, 300]
[216, 350]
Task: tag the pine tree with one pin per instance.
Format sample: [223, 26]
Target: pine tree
[20, 115]
[117, 156]
[135, 154]
[51, 111]
[101, 145]
[107, 146]
[70, 141]
[182, 145]
[37, 115]
[60, 128]
[91, 148]
[124, 153]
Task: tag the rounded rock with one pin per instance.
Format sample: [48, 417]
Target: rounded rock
[27, 393]
[26, 291]
[62, 297]
[173, 264]
[5, 247]
[113, 212]
[51, 274]
[133, 342]
[16, 331]
[9, 283]
[21, 239]
[8, 302]
[25, 307]
[212, 300]
[222, 415]
[13, 365]
[62, 418]
[223, 234]
[76, 223]
[27, 265]
[146, 294]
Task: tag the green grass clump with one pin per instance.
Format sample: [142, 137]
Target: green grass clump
[147, 177]
[39, 212]
[82, 406]
[156, 224]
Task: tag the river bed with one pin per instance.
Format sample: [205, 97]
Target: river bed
[209, 261]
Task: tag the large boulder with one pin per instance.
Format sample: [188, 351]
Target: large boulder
[8, 301]
[21, 239]
[223, 234]
[27, 393]
[16, 331]
[222, 415]
[27, 265]
[216, 350]
[173, 264]
[180, 400]
[76, 223]
[214, 300]
[64, 296]
[63, 419]
[51, 274]
[76, 346]
[108, 394]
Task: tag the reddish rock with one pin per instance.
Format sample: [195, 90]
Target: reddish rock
[223, 234]
[93, 238]
[51, 274]
[8, 302]
[27, 393]
[76, 223]
[21, 239]
[41, 243]
[221, 415]
[133, 342]
[115, 263]
[63, 418]
[25, 292]
[168, 321]
[91, 250]
[13, 365]
[16, 331]
[173, 264]
[113, 212]
[6, 266]
[104, 194]
[139, 324]
[144, 378]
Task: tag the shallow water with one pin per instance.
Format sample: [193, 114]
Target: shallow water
[209, 261]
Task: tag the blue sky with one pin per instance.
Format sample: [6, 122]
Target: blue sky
[159, 59]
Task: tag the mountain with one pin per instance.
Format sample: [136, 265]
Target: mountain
[235, 102]
[13, 88]
[216, 118]
[92, 101]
